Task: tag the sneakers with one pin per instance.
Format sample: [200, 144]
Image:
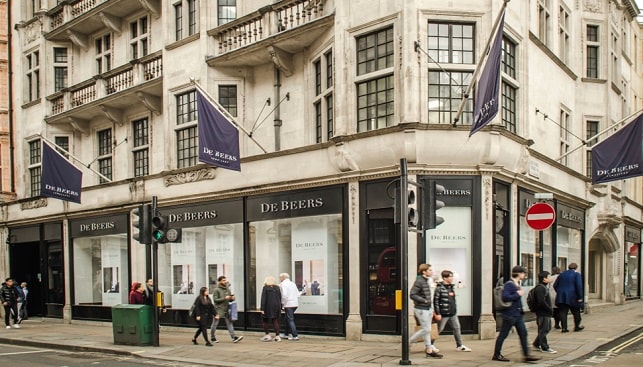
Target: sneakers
[435, 354]
[548, 350]
[500, 358]
[532, 359]
[579, 328]
[266, 338]
[8, 327]
[277, 338]
[16, 326]
[237, 339]
[213, 339]
[463, 348]
[293, 338]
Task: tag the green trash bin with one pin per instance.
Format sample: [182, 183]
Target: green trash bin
[133, 324]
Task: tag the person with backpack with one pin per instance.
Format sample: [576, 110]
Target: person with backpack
[513, 316]
[539, 302]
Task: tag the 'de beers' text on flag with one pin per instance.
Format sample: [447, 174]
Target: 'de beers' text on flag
[218, 137]
[60, 179]
[621, 155]
[486, 103]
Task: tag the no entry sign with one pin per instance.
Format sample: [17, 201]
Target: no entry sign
[540, 216]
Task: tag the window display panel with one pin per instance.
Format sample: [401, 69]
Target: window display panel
[448, 247]
[529, 254]
[569, 245]
[100, 270]
[204, 254]
[307, 248]
[631, 269]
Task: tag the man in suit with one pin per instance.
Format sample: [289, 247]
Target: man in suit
[569, 296]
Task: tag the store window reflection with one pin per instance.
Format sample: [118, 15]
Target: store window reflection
[382, 266]
[631, 270]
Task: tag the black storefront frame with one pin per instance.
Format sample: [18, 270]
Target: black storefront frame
[633, 236]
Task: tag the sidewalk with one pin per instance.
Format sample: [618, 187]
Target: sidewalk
[601, 326]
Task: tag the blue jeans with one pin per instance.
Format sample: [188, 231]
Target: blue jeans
[454, 321]
[507, 323]
[424, 317]
[290, 321]
[229, 323]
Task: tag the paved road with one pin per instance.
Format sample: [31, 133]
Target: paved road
[41, 357]
[624, 351]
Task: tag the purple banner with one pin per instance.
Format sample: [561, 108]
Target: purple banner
[487, 95]
[60, 179]
[621, 155]
[218, 138]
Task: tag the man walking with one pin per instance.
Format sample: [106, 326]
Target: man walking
[222, 296]
[149, 292]
[9, 297]
[543, 312]
[445, 309]
[569, 296]
[512, 316]
[290, 302]
[423, 308]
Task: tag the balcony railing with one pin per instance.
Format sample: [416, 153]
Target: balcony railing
[267, 21]
[74, 9]
[117, 80]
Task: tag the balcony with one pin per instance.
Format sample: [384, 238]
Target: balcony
[75, 20]
[108, 94]
[272, 33]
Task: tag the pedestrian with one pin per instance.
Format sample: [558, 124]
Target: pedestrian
[149, 292]
[543, 312]
[445, 309]
[136, 296]
[204, 312]
[222, 296]
[9, 297]
[270, 308]
[513, 316]
[569, 296]
[22, 311]
[21, 300]
[555, 271]
[421, 295]
[289, 302]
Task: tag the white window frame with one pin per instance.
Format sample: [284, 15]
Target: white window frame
[140, 32]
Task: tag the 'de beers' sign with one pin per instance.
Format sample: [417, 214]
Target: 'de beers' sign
[294, 204]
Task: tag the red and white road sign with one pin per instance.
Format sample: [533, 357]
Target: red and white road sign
[540, 216]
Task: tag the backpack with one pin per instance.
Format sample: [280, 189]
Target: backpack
[531, 299]
[499, 303]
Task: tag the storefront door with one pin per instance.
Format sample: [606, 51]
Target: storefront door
[25, 267]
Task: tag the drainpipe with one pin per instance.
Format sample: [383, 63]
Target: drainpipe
[277, 119]
[10, 97]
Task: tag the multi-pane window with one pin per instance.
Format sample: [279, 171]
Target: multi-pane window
[591, 130]
[509, 85]
[185, 17]
[626, 37]
[105, 154]
[103, 47]
[60, 68]
[445, 95]
[614, 57]
[35, 167]
[451, 43]
[33, 76]
[592, 51]
[563, 34]
[544, 19]
[564, 135]
[140, 150]
[228, 98]
[323, 101]
[139, 37]
[375, 87]
[226, 11]
[62, 145]
[187, 135]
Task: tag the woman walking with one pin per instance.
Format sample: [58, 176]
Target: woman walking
[136, 296]
[203, 313]
[270, 308]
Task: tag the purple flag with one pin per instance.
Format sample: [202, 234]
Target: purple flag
[487, 95]
[218, 138]
[60, 179]
[621, 155]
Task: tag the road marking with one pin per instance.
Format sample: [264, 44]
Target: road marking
[626, 343]
[28, 352]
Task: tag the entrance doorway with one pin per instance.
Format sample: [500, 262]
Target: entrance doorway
[595, 269]
[24, 262]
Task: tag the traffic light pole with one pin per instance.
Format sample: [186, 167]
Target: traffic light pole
[155, 278]
[404, 249]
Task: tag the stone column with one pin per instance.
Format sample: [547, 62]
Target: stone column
[354, 320]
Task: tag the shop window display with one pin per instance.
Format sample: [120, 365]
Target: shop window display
[568, 247]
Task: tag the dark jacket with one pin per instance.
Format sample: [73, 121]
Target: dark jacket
[569, 289]
[271, 301]
[543, 301]
[204, 309]
[220, 303]
[444, 300]
[510, 293]
[9, 294]
[421, 293]
[149, 295]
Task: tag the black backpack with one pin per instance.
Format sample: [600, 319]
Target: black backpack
[531, 299]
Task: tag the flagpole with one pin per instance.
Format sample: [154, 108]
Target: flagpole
[599, 134]
[480, 64]
[224, 112]
[76, 159]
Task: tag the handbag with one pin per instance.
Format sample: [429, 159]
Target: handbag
[498, 302]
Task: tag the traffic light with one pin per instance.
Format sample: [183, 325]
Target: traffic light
[162, 233]
[412, 212]
[141, 226]
[432, 205]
